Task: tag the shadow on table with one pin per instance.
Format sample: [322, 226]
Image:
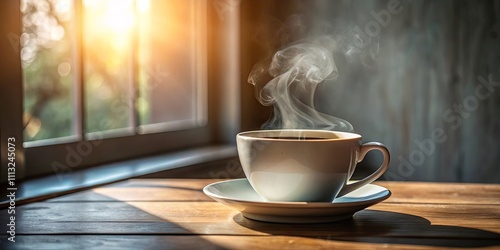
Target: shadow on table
[98, 221]
[373, 226]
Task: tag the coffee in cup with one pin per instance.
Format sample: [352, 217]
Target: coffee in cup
[300, 165]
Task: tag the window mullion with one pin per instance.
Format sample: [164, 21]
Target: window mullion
[134, 86]
[79, 75]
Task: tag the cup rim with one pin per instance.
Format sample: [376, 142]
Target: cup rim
[253, 134]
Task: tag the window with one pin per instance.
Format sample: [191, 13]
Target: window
[111, 80]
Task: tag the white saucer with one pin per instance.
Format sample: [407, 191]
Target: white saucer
[238, 194]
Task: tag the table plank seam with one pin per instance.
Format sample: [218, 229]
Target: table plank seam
[212, 201]
[152, 201]
[262, 235]
[440, 203]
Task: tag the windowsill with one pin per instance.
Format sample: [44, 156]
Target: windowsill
[52, 186]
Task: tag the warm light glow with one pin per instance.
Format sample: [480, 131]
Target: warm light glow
[108, 32]
[143, 5]
[119, 18]
[110, 16]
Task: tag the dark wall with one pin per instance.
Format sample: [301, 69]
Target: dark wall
[426, 82]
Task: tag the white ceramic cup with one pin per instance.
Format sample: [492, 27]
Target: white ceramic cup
[304, 165]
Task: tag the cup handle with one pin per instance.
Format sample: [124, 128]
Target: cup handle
[365, 148]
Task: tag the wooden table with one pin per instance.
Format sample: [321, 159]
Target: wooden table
[175, 214]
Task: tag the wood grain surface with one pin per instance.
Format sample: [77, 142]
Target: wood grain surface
[174, 213]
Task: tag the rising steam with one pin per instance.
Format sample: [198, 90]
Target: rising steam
[288, 81]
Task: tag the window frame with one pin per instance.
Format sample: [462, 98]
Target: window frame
[222, 99]
[11, 94]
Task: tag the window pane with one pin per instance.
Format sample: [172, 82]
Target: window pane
[48, 57]
[171, 64]
[108, 63]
